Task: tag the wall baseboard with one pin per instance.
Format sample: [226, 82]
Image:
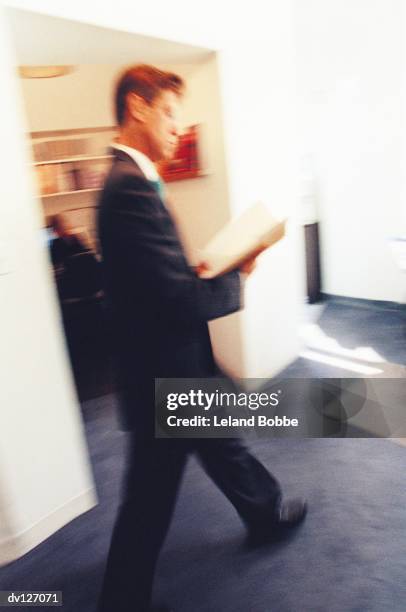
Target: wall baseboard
[17, 545]
[363, 303]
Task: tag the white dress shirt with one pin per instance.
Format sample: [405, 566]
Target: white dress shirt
[147, 167]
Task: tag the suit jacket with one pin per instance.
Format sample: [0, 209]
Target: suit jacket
[159, 306]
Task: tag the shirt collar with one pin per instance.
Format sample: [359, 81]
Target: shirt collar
[145, 164]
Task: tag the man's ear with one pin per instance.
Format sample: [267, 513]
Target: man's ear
[137, 107]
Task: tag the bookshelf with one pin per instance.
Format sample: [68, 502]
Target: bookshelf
[69, 168]
[72, 192]
[72, 159]
[68, 162]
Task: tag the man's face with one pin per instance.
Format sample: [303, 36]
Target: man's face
[161, 127]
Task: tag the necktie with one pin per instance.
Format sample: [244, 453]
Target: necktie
[159, 187]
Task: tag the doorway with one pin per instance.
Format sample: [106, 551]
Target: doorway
[70, 124]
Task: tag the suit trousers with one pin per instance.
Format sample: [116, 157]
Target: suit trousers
[152, 481]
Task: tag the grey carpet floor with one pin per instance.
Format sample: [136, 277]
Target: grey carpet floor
[349, 555]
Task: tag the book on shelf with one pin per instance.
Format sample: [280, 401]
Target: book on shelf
[255, 230]
[47, 179]
[70, 177]
[51, 150]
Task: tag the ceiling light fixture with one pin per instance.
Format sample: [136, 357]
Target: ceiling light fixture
[43, 72]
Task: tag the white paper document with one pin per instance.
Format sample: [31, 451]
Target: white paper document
[241, 238]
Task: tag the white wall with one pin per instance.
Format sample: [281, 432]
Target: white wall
[350, 67]
[202, 206]
[255, 108]
[255, 111]
[258, 83]
[77, 100]
[44, 472]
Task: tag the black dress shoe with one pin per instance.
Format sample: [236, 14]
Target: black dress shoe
[290, 513]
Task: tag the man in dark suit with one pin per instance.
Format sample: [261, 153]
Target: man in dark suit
[160, 309]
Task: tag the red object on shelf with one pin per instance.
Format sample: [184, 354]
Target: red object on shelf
[185, 163]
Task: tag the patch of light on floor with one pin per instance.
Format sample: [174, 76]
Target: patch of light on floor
[400, 441]
[315, 338]
[339, 362]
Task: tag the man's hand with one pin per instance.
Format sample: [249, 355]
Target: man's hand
[201, 268]
[246, 267]
[249, 265]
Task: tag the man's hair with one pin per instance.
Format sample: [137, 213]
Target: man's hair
[145, 81]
